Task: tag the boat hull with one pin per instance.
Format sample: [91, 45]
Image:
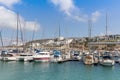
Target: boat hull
[41, 59]
[24, 59]
[107, 63]
[9, 59]
[88, 60]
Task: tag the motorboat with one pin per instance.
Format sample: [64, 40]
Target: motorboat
[57, 56]
[88, 59]
[25, 57]
[42, 57]
[107, 61]
[9, 57]
[75, 56]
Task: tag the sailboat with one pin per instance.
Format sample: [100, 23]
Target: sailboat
[89, 58]
[27, 56]
[5, 55]
[57, 54]
[1, 44]
[107, 60]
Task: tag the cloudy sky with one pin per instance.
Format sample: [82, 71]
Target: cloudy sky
[45, 16]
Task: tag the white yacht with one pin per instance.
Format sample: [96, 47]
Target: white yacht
[107, 61]
[42, 57]
[25, 57]
[9, 57]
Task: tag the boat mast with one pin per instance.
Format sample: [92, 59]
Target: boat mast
[21, 31]
[106, 36]
[33, 37]
[34, 31]
[17, 33]
[106, 26]
[59, 36]
[89, 28]
[89, 33]
[1, 38]
[59, 31]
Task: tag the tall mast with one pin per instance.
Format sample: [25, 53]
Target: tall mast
[89, 33]
[59, 35]
[89, 28]
[59, 31]
[106, 25]
[17, 32]
[21, 30]
[34, 31]
[1, 38]
[31, 47]
[106, 37]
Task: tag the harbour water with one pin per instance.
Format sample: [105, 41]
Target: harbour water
[56, 71]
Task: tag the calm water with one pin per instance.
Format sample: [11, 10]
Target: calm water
[54, 71]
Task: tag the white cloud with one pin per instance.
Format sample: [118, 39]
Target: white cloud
[71, 10]
[9, 3]
[68, 8]
[95, 16]
[8, 19]
[65, 5]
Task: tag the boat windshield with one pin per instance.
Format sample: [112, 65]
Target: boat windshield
[43, 53]
[106, 57]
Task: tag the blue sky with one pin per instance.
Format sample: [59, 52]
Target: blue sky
[71, 15]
